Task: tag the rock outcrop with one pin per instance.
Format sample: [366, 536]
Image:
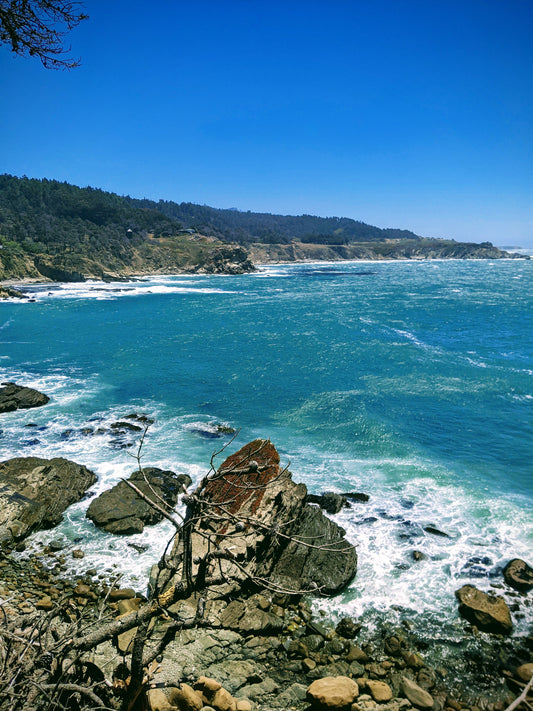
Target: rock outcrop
[121, 510]
[226, 259]
[18, 397]
[7, 292]
[264, 529]
[297, 251]
[519, 575]
[35, 492]
[489, 613]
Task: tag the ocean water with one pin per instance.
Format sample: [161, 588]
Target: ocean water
[409, 381]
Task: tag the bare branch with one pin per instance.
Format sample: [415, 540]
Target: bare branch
[522, 698]
[39, 27]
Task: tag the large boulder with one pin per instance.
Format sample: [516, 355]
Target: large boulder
[488, 612]
[122, 510]
[18, 397]
[35, 492]
[253, 512]
[225, 259]
[336, 693]
[519, 575]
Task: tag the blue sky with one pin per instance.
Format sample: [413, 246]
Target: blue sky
[401, 113]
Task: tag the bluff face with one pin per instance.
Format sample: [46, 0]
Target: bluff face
[391, 249]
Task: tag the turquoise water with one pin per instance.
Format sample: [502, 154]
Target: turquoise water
[410, 381]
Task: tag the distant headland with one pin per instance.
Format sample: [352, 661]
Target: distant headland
[54, 231]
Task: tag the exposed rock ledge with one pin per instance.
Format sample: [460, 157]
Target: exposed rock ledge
[227, 259]
[34, 493]
[18, 397]
[422, 249]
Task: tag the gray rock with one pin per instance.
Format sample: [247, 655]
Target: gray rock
[35, 492]
[290, 696]
[233, 674]
[331, 503]
[18, 397]
[121, 510]
[255, 691]
[356, 669]
[246, 617]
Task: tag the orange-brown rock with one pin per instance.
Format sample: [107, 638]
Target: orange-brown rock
[252, 502]
[333, 693]
[488, 612]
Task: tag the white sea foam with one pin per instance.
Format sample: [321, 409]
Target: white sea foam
[408, 496]
[104, 291]
[481, 538]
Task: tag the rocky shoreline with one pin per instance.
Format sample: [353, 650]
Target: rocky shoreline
[269, 668]
[231, 604]
[235, 260]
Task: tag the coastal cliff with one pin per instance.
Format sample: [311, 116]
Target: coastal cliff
[391, 249]
[52, 231]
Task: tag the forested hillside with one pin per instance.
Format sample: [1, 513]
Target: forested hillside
[64, 232]
[59, 231]
[248, 227]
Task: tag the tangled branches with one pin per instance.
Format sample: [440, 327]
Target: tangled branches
[239, 516]
[39, 27]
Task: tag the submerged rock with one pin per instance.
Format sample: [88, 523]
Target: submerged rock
[489, 613]
[121, 510]
[18, 397]
[210, 430]
[436, 532]
[34, 493]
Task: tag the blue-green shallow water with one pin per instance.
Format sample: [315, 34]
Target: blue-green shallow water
[410, 381]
